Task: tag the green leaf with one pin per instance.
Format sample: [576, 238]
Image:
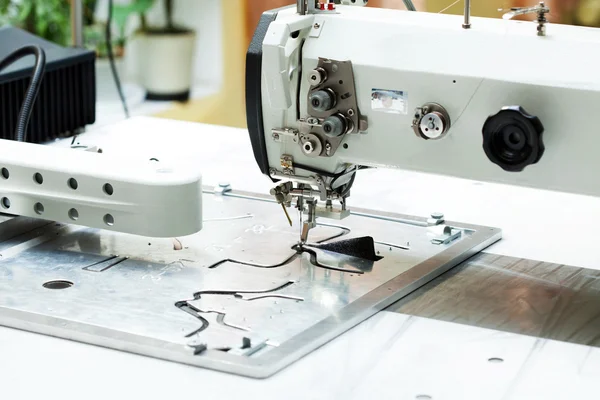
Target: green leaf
[41, 25]
[26, 10]
[4, 4]
[121, 13]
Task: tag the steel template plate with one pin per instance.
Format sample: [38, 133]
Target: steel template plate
[235, 297]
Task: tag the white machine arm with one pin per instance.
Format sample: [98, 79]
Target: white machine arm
[98, 190]
[491, 100]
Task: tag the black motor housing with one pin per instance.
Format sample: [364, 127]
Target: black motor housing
[66, 102]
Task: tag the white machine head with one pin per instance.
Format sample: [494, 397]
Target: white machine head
[332, 89]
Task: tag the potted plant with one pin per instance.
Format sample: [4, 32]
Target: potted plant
[165, 54]
[48, 19]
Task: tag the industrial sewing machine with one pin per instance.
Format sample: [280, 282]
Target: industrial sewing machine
[331, 89]
[334, 90]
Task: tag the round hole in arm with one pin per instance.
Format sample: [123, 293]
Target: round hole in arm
[496, 360]
[38, 208]
[5, 173]
[108, 189]
[73, 214]
[38, 178]
[5, 202]
[73, 183]
[109, 220]
[57, 284]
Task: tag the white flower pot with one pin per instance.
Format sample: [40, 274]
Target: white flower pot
[165, 64]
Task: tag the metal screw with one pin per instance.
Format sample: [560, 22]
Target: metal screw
[315, 77]
[317, 25]
[275, 136]
[437, 216]
[223, 188]
[351, 112]
[308, 147]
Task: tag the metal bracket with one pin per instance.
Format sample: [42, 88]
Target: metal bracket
[287, 164]
[317, 28]
[278, 134]
[450, 235]
[337, 78]
[436, 219]
[332, 213]
[223, 188]
[541, 10]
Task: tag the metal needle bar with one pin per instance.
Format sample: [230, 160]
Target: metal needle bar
[467, 24]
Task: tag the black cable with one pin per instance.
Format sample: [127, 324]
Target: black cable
[343, 190]
[346, 188]
[111, 58]
[34, 85]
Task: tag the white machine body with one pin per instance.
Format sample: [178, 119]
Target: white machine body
[430, 58]
[98, 190]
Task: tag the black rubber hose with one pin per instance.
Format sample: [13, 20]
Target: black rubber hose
[34, 85]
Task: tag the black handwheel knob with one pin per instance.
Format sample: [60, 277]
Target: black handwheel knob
[512, 139]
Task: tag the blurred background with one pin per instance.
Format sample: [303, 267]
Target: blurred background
[214, 35]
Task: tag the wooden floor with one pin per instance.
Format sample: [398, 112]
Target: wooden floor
[514, 295]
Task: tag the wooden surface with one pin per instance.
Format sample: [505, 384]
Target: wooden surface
[255, 8]
[228, 107]
[521, 296]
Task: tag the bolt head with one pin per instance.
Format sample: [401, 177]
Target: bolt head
[308, 147]
[437, 215]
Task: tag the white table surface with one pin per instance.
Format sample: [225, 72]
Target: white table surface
[390, 356]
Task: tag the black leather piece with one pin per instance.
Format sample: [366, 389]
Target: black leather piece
[362, 247]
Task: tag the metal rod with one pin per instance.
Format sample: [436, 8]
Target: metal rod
[409, 5]
[467, 24]
[77, 23]
[301, 7]
[299, 179]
